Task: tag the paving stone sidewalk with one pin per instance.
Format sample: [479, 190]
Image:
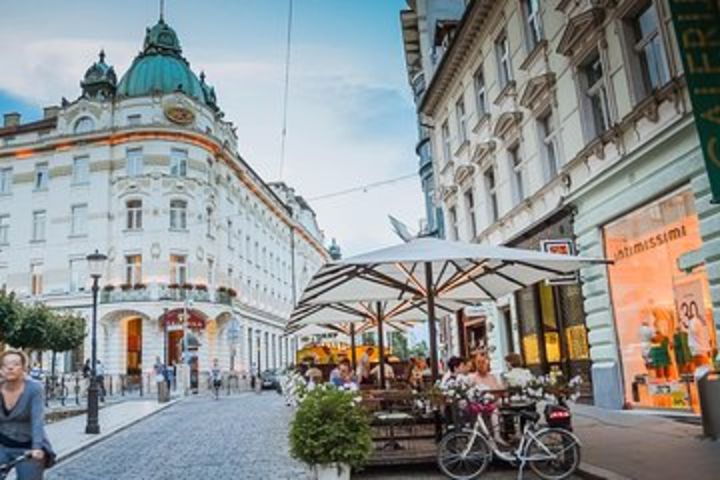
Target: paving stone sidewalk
[641, 446]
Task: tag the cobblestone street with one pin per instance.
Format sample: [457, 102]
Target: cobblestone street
[241, 437]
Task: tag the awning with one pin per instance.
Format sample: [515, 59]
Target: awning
[196, 319]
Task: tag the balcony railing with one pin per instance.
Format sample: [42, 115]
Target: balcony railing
[174, 293]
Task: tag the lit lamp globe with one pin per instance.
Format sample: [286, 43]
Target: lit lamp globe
[96, 264]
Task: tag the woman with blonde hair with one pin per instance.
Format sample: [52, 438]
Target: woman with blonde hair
[22, 418]
[481, 375]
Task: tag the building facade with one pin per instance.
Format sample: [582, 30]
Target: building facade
[566, 126]
[425, 25]
[202, 252]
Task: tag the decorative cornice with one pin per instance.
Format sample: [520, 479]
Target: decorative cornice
[448, 191]
[579, 29]
[505, 122]
[470, 27]
[535, 89]
[463, 172]
[482, 150]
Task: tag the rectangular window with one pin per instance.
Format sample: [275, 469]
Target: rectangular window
[41, 176]
[178, 162]
[454, 223]
[77, 274]
[470, 205]
[178, 269]
[445, 132]
[134, 164]
[134, 120]
[516, 166]
[480, 93]
[178, 215]
[134, 215]
[533, 25]
[596, 97]
[548, 140]
[460, 116]
[81, 170]
[4, 229]
[210, 271]
[649, 48]
[79, 220]
[38, 229]
[6, 175]
[133, 269]
[502, 50]
[36, 279]
[491, 189]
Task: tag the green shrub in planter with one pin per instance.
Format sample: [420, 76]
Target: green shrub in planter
[329, 427]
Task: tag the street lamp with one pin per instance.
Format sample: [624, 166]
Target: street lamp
[96, 266]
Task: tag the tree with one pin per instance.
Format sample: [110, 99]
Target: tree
[9, 314]
[64, 332]
[29, 331]
[399, 344]
[419, 350]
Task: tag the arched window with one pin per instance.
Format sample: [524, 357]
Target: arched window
[84, 125]
[178, 215]
[134, 214]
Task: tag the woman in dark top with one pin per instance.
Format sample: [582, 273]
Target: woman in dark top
[22, 426]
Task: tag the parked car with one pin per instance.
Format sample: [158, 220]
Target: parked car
[270, 380]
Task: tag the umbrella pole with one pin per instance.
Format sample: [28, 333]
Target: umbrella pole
[432, 330]
[353, 357]
[381, 345]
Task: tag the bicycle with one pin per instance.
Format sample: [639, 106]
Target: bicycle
[552, 453]
[6, 468]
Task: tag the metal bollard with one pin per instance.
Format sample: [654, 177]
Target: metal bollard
[47, 392]
[63, 394]
[77, 389]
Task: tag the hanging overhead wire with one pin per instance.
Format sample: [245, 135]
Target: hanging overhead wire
[283, 134]
[363, 188]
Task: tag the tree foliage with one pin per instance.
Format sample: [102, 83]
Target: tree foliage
[64, 332]
[29, 332]
[399, 344]
[9, 314]
[419, 350]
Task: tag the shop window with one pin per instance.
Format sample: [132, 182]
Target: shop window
[663, 315]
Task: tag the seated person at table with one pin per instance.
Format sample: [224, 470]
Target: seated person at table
[481, 376]
[457, 369]
[516, 376]
[342, 374]
[363, 368]
[389, 372]
[417, 371]
[313, 373]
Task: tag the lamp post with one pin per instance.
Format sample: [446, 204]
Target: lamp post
[96, 265]
[166, 362]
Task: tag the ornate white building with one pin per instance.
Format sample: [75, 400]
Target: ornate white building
[146, 170]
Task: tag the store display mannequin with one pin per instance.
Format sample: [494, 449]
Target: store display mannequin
[660, 354]
[698, 337]
[683, 354]
[646, 334]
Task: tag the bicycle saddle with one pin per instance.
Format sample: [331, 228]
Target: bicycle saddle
[528, 415]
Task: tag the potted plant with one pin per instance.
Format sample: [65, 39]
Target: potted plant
[174, 286]
[125, 287]
[201, 287]
[231, 292]
[187, 286]
[109, 288]
[139, 286]
[331, 433]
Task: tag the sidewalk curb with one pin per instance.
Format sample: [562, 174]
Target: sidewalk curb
[100, 438]
[592, 472]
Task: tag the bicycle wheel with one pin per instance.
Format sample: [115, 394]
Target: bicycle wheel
[455, 463]
[557, 453]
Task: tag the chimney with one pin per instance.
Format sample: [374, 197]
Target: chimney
[51, 111]
[11, 119]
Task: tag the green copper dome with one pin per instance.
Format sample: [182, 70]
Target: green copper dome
[160, 68]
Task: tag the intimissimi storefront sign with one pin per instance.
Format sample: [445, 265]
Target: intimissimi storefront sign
[648, 244]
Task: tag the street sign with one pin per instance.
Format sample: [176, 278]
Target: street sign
[560, 246]
[698, 37]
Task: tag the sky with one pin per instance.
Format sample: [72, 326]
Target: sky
[351, 117]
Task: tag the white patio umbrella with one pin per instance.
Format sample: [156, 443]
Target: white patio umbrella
[430, 269]
[352, 318]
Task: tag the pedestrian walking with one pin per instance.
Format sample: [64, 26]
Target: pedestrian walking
[87, 369]
[22, 418]
[100, 378]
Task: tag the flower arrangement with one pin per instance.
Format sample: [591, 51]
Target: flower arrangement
[231, 292]
[125, 287]
[187, 286]
[201, 287]
[174, 286]
[139, 286]
[109, 288]
[553, 388]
